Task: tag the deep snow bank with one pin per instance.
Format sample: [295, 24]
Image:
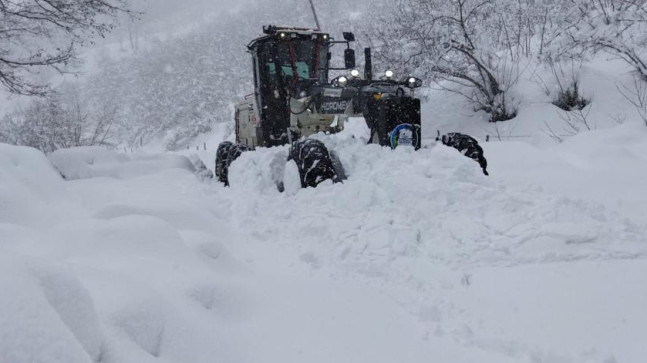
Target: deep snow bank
[605, 166]
[416, 256]
[433, 204]
[30, 188]
[91, 162]
[118, 269]
[46, 315]
[430, 230]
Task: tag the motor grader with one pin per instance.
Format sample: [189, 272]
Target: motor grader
[294, 97]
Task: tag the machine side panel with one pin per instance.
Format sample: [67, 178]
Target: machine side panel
[247, 124]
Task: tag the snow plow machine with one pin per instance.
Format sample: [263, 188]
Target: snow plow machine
[294, 98]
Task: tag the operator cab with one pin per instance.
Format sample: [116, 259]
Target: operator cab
[287, 63]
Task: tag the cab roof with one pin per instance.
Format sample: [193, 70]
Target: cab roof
[272, 30]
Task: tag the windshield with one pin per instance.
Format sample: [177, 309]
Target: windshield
[302, 56]
[303, 69]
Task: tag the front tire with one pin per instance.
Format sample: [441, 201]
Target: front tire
[467, 145]
[314, 162]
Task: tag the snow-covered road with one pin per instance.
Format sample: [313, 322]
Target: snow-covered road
[417, 257]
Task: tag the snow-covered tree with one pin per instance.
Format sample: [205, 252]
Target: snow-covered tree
[471, 47]
[58, 121]
[618, 27]
[43, 34]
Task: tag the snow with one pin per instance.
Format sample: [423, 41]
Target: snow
[110, 257]
[598, 81]
[92, 162]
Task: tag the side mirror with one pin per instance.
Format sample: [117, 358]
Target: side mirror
[349, 37]
[413, 82]
[349, 58]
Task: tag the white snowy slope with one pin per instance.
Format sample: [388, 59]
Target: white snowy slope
[417, 257]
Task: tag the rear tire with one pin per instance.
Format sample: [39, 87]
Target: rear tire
[221, 161]
[225, 155]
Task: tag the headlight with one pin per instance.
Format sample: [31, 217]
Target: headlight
[354, 73]
[342, 81]
[282, 35]
[413, 82]
[389, 74]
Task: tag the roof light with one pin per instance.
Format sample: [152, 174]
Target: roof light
[354, 73]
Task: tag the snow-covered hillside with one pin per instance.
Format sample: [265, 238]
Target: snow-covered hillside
[416, 257]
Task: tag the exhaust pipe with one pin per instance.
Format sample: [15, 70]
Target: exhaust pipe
[368, 64]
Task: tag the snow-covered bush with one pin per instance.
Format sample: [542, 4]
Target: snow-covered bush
[636, 94]
[568, 95]
[569, 98]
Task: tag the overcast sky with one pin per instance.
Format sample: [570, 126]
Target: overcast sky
[177, 12]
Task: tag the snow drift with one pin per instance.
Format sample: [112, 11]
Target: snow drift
[416, 256]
